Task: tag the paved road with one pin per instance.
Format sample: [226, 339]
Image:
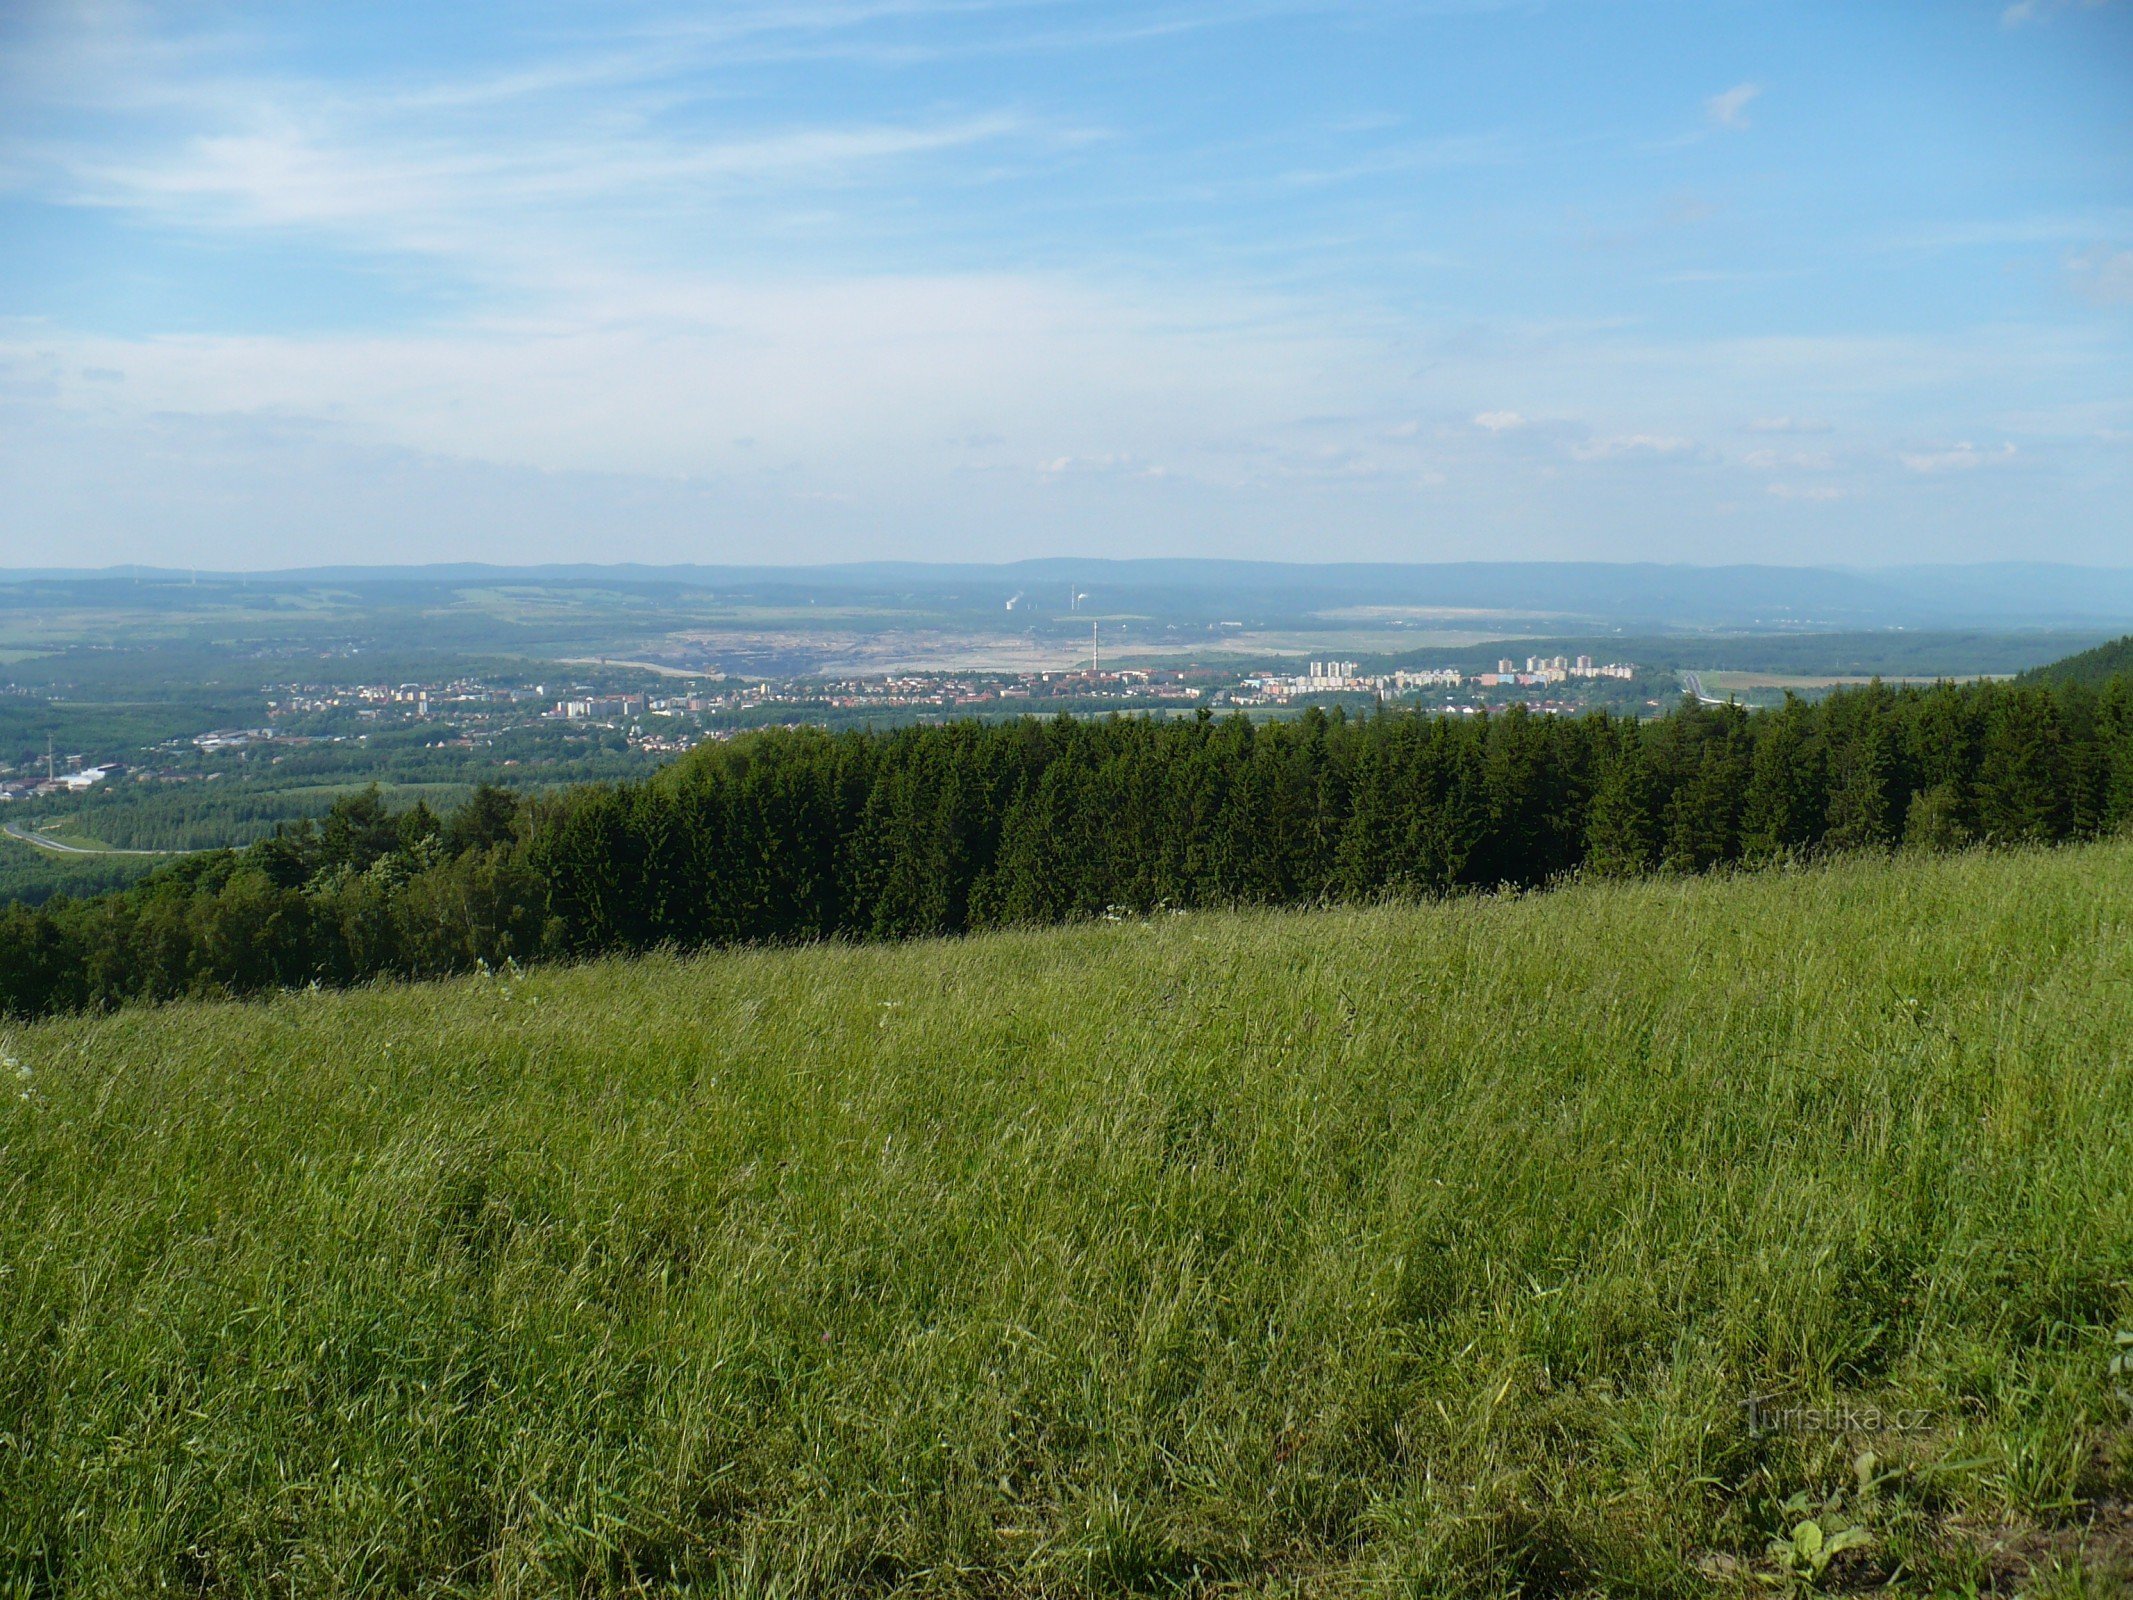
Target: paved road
[53, 845]
[1693, 682]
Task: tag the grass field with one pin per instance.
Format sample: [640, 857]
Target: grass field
[1810, 683]
[1416, 1250]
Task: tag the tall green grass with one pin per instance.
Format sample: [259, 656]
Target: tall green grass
[1413, 1250]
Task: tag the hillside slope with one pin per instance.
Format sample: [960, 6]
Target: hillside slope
[1435, 1246]
[2100, 665]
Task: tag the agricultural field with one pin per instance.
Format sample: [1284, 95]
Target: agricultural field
[1800, 683]
[1661, 1238]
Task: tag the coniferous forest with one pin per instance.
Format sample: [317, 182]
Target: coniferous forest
[799, 835]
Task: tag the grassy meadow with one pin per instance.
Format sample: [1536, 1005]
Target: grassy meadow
[1416, 1250]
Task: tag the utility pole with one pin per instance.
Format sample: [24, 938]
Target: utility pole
[51, 772]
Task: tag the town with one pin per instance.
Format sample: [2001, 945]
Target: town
[630, 712]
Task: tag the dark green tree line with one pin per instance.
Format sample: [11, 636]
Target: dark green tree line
[802, 835]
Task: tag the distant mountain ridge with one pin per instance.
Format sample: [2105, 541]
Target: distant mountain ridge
[1627, 594]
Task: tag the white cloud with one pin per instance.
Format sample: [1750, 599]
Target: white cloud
[1962, 457]
[1729, 109]
[1798, 460]
[514, 175]
[479, 200]
[1631, 444]
[621, 273]
[1819, 492]
[1117, 463]
[2035, 10]
[2103, 275]
[841, 379]
[2039, 228]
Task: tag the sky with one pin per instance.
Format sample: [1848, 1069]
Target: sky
[1795, 282]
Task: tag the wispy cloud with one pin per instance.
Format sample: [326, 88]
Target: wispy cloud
[284, 173]
[1729, 108]
[2103, 275]
[501, 169]
[2022, 11]
[1962, 457]
[1117, 463]
[2018, 229]
[1632, 444]
[919, 260]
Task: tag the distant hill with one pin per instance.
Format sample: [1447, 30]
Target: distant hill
[2090, 666]
[1614, 594]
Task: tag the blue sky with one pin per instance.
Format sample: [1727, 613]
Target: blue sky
[982, 279]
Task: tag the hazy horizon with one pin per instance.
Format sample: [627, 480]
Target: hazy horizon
[1055, 558]
[978, 280]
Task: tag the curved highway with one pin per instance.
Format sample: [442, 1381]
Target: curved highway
[57, 848]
